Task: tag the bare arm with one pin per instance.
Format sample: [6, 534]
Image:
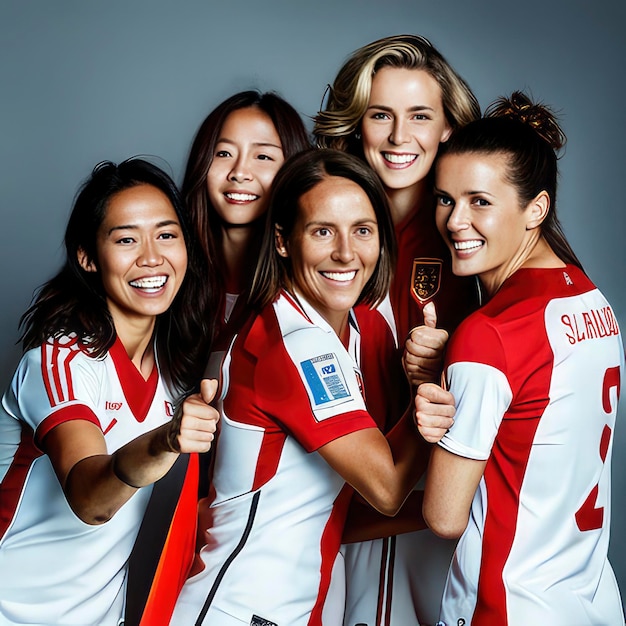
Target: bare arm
[97, 484]
[382, 469]
[451, 482]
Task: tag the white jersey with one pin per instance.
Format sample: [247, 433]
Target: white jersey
[536, 375]
[54, 568]
[276, 509]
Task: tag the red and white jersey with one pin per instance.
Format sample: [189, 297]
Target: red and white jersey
[385, 582]
[54, 568]
[277, 509]
[536, 375]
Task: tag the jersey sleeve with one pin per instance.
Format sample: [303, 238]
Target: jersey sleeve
[309, 385]
[475, 374]
[52, 385]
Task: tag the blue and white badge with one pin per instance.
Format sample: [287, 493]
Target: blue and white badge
[325, 379]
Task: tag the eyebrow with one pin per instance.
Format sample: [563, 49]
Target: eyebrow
[417, 107]
[135, 226]
[356, 223]
[470, 192]
[260, 144]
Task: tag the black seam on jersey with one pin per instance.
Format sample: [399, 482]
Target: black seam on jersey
[230, 559]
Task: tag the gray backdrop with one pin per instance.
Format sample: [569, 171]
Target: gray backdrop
[85, 81]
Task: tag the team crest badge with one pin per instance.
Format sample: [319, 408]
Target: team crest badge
[425, 279]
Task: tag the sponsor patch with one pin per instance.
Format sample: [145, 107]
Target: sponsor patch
[425, 279]
[325, 379]
[260, 621]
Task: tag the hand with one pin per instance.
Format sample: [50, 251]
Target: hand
[194, 429]
[434, 410]
[424, 349]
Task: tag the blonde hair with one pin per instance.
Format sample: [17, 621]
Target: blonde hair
[337, 125]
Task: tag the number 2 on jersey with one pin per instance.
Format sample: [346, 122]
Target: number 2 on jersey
[588, 517]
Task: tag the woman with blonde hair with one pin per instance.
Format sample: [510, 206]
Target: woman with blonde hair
[393, 103]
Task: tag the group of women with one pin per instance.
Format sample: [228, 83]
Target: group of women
[290, 310]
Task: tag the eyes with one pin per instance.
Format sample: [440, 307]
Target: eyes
[261, 156]
[446, 201]
[128, 240]
[362, 231]
[385, 116]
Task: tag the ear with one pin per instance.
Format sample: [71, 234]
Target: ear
[538, 209]
[445, 135]
[85, 262]
[279, 241]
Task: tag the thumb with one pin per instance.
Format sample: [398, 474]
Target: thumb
[430, 314]
[208, 389]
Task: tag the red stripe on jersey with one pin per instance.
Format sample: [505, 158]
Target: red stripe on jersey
[138, 391]
[501, 518]
[268, 459]
[329, 547]
[12, 486]
[56, 358]
[178, 552]
[66, 414]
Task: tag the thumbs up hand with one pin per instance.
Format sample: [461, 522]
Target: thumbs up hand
[194, 425]
[424, 349]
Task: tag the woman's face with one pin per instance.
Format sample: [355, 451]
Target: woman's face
[334, 247]
[403, 126]
[479, 216]
[141, 255]
[247, 156]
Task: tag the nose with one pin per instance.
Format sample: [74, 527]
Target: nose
[343, 251]
[399, 132]
[459, 218]
[150, 255]
[240, 171]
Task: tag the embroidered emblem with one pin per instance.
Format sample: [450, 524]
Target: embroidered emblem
[425, 279]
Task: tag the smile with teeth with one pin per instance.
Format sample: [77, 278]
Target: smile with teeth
[150, 283]
[399, 159]
[342, 277]
[241, 197]
[469, 245]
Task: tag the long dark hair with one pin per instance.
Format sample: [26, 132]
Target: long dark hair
[529, 135]
[298, 175]
[74, 300]
[205, 221]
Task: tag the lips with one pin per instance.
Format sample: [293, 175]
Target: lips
[467, 246]
[340, 277]
[149, 283]
[236, 196]
[399, 159]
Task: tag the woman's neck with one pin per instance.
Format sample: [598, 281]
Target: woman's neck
[239, 250]
[403, 202]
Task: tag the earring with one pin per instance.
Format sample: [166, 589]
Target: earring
[357, 136]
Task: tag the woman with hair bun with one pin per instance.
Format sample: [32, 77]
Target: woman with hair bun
[523, 475]
[393, 103]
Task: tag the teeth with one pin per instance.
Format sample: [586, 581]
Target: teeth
[399, 159]
[467, 245]
[342, 277]
[241, 197]
[152, 282]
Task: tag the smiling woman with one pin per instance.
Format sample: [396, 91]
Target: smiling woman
[86, 426]
[294, 427]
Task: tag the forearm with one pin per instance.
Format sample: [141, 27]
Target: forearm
[365, 523]
[98, 486]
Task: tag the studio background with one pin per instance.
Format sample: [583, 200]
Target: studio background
[81, 82]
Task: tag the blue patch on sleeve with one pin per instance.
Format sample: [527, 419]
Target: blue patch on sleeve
[325, 378]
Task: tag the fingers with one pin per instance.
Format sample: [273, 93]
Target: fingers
[423, 355]
[434, 411]
[199, 419]
[430, 314]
